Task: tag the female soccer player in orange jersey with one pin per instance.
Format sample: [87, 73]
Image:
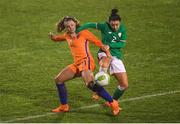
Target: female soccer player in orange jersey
[83, 62]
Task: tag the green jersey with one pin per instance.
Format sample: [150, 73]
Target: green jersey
[115, 39]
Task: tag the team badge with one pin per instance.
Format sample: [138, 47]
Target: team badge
[119, 34]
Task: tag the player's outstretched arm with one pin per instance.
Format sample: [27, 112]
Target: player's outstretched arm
[92, 38]
[86, 26]
[56, 38]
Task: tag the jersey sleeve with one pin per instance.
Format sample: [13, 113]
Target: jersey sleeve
[92, 38]
[86, 26]
[60, 37]
[99, 26]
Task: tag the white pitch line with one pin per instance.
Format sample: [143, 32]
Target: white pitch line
[94, 105]
[148, 96]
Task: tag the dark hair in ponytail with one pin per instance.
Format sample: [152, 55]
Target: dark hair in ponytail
[61, 23]
[114, 16]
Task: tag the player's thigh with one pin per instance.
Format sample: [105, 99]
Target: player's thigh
[66, 74]
[103, 59]
[104, 62]
[122, 79]
[87, 76]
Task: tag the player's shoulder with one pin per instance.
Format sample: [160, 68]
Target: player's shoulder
[103, 26]
[122, 26]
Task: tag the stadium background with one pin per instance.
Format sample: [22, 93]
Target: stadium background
[29, 61]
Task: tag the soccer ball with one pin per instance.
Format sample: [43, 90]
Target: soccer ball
[102, 78]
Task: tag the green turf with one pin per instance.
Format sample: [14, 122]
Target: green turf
[29, 61]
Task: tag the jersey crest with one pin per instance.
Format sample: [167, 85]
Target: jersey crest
[119, 34]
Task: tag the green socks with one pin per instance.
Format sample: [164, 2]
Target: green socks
[118, 93]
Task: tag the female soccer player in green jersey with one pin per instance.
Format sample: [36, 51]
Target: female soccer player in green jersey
[114, 35]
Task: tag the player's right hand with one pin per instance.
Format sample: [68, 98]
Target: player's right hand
[105, 48]
[50, 35]
[108, 54]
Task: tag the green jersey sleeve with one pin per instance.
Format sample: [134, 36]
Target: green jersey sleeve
[86, 26]
[99, 26]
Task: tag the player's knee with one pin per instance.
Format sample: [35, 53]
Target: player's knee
[88, 79]
[124, 86]
[105, 62]
[58, 80]
[90, 85]
[94, 87]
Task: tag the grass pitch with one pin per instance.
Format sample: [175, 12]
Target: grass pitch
[29, 61]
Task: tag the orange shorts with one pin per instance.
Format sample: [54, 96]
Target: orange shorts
[84, 64]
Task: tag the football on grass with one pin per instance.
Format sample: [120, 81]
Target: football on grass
[102, 78]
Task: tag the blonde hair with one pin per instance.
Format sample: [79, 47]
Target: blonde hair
[61, 23]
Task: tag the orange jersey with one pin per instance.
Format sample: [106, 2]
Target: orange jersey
[79, 46]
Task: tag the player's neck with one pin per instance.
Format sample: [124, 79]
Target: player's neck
[73, 35]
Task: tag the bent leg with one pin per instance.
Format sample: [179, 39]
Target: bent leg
[123, 84]
[104, 64]
[88, 79]
[65, 75]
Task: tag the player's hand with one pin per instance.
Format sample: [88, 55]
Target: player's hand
[51, 35]
[105, 48]
[108, 54]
